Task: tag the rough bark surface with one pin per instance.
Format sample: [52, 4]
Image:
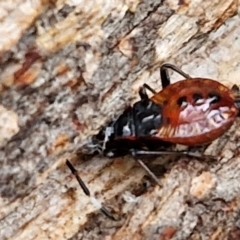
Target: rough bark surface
[67, 68]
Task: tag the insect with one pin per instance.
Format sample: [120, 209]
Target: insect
[194, 111]
[191, 112]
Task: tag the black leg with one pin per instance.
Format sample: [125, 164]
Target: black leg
[150, 173]
[143, 94]
[165, 79]
[85, 189]
[235, 89]
[146, 86]
[165, 76]
[142, 91]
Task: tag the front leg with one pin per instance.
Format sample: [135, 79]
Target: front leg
[165, 79]
[142, 91]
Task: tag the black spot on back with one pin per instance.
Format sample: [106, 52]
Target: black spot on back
[197, 96]
[215, 96]
[181, 100]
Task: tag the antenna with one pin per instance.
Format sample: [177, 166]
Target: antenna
[85, 189]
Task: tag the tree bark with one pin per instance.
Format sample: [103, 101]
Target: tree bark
[69, 67]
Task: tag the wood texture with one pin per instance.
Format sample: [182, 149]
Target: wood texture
[67, 68]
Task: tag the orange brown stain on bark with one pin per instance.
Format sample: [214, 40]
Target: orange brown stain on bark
[125, 47]
[167, 233]
[184, 4]
[71, 194]
[26, 78]
[61, 142]
[202, 185]
[75, 83]
[61, 69]
[79, 126]
[217, 234]
[108, 92]
[231, 11]
[23, 76]
[181, 2]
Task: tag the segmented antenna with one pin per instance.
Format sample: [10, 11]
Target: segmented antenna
[85, 189]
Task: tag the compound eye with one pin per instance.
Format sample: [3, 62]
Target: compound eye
[214, 97]
[182, 102]
[198, 98]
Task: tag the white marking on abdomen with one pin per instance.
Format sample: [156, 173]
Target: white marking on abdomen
[211, 120]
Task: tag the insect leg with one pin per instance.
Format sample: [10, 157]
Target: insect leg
[165, 79]
[179, 153]
[134, 133]
[85, 189]
[165, 76]
[133, 151]
[143, 94]
[150, 173]
[235, 89]
[142, 91]
[146, 86]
